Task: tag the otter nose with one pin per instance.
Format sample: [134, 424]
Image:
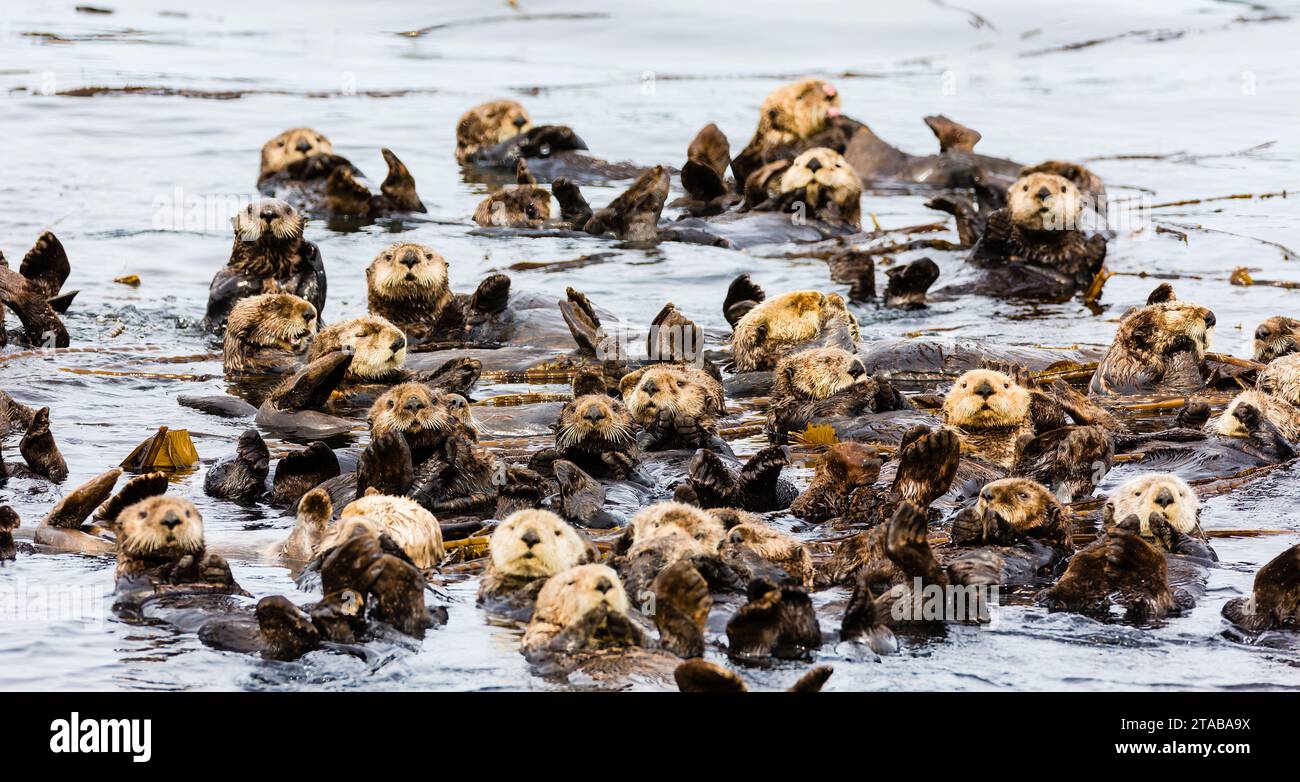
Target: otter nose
[604, 585]
[304, 145]
[1263, 333]
[857, 369]
[519, 121]
[410, 258]
[171, 521]
[268, 214]
[594, 413]
[650, 387]
[414, 404]
[531, 538]
[398, 344]
[814, 165]
[1043, 192]
[1165, 498]
[1210, 320]
[984, 389]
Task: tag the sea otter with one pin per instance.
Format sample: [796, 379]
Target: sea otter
[268, 334]
[38, 448]
[424, 416]
[1276, 337]
[1281, 378]
[34, 293]
[698, 675]
[1157, 348]
[487, 125]
[1277, 411]
[837, 473]
[299, 165]
[526, 549]
[676, 405]
[378, 348]
[754, 549]
[595, 432]
[1274, 602]
[160, 548]
[825, 383]
[664, 533]
[86, 519]
[717, 480]
[9, 521]
[402, 520]
[791, 321]
[270, 255]
[1168, 497]
[928, 461]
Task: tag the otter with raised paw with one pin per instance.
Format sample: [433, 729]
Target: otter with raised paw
[717, 481]
[677, 406]
[160, 549]
[526, 549]
[1158, 348]
[1168, 497]
[300, 166]
[792, 321]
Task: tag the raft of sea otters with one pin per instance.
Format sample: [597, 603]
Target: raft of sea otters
[638, 540]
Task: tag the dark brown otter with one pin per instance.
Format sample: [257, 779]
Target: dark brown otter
[241, 477]
[699, 675]
[300, 164]
[39, 451]
[268, 334]
[824, 383]
[9, 521]
[839, 471]
[487, 125]
[594, 432]
[35, 295]
[269, 255]
[927, 465]
[776, 622]
[1157, 348]
[715, 481]
[1274, 602]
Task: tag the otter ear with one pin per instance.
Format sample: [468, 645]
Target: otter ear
[588, 381]
[760, 333]
[1164, 292]
[523, 175]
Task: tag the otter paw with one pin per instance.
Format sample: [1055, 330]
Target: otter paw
[907, 543]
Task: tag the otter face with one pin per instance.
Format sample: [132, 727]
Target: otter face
[270, 221]
[292, 146]
[783, 322]
[1020, 502]
[1170, 325]
[985, 399]
[827, 180]
[1275, 410]
[161, 527]
[489, 124]
[414, 407]
[515, 206]
[378, 347]
[667, 387]
[1281, 378]
[272, 320]
[571, 594]
[1044, 202]
[535, 543]
[407, 271]
[404, 520]
[1278, 336]
[1163, 493]
[593, 416]
[671, 517]
[820, 372]
[797, 111]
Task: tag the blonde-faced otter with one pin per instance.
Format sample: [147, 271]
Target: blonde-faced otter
[790, 321]
[818, 184]
[1010, 510]
[1276, 337]
[992, 411]
[300, 165]
[1157, 348]
[161, 548]
[487, 125]
[1160, 502]
[527, 548]
[677, 405]
[790, 117]
[378, 348]
[270, 255]
[754, 541]
[86, 520]
[1277, 411]
[823, 383]
[424, 416]
[403, 520]
[268, 334]
[34, 293]
[1274, 602]
[1281, 378]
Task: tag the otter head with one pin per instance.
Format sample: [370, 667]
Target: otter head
[594, 417]
[675, 517]
[292, 146]
[406, 272]
[1044, 202]
[797, 111]
[985, 399]
[408, 523]
[781, 323]
[270, 222]
[827, 185]
[1167, 327]
[515, 206]
[535, 543]
[488, 124]
[571, 594]
[160, 527]
[271, 321]
[1159, 493]
[1281, 378]
[378, 347]
[1024, 504]
[818, 373]
[687, 392]
[412, 408]
[1276, 337]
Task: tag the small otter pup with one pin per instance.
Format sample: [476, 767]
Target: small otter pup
[160, 549]
[270, 255]
[407, 284]
[677, 405]
[268, 334]
[822, 383]
[300, 164]
[527, 548]
[1274, 603]
[378, 348]
[819, 184]
[1276, 337]
[35, 295]
[1157, 348]
[795, 320]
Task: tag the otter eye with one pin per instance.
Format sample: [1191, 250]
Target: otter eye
[681, 384]
[390, 404]
[531, 211]
[1024, 495]
[1062, 189]
[143, 515]
[557, 533]
[1006, 385]
[1025, 188]
[280, 143]
[963, 385]
[428, 256]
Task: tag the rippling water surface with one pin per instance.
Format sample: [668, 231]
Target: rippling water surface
[1166, 100]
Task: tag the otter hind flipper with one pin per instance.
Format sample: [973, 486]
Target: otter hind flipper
[583, 322]
[285, 631]
[743, 295]
[491, 296]
[634, 214]
[760, 487]
[674, 337]
[241, 478]
[970, 222]
[1275, 596]
[813, 680]
[581, 497]
[953, 136]
[574, 208]
[141, 487]
[345, 195]
[907, 284]
[41, 324]
[458, 375]
[713, 481]
[76, 507]
[699, 675]
[707, 158]
[299, 472]
[927, 464]
[866, 618]
[681, 608]
[46, 266]
[386, 466]
[857, 270]
[224, 406]
[40, 451]
[310, 387]
[399, 185]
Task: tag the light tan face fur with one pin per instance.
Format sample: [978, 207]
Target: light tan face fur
[797, 111]
[985, 399]
[1277, 336]
[160, 526]
[1045, 202]
[690, 392]
[782, 322]
[1281, 378]
[1275, 410]
[593, 415]
[407, 270]
[1157, 493]
[571, 594]
[821, 372]
[667, 517]
[824, 175]
[407, 522]
[535, 543]
[488, 124]
[768, 543]
[1165, 322]
[379, 347]
[414, 407]
[292, 146]
[515, 206]
[272, 320]
[269, 218]
[1020, 502]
